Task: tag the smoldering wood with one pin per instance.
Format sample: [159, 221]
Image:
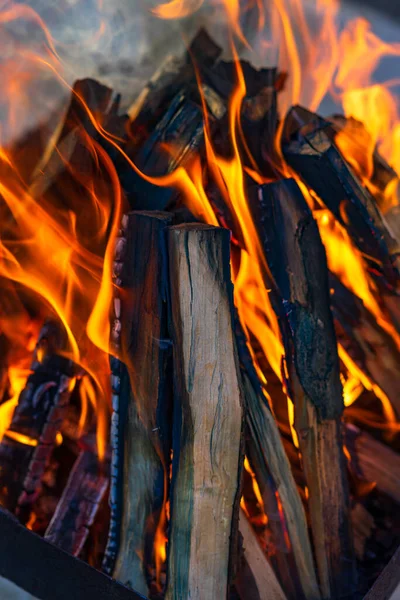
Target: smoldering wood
[45, 570]
[145, 351]
[256, 578]
[173, 141]
[297, 261]
[79, 503]
[208, 416]
[387, 586]
[374, 461]
[310, 152]
[30, 439]
[174, 74]
[369, 345]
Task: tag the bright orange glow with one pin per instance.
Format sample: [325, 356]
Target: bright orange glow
[21, 438]
[257, 493]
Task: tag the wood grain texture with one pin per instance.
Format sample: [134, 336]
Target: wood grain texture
[297, 261]
[208, 416]
[78, 505]
[144, 350]
[374, 461]
[270, 463]
[266, 585]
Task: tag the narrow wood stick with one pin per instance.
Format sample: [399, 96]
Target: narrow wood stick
[297, 261]
[261, 583]
[271, 466]
[140, 312]
[208, 416]
[374, 461]
[387, 586]
[78, 505]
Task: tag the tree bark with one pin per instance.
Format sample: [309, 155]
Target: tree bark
[140, 331]
[300, 297]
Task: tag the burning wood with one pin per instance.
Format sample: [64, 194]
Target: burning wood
[78, 505]
[31, 437]
[141, 387]
[297, 261]
[203, 372]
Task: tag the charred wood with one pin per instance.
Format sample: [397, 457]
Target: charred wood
[297, 262]
[208, 416]
[78, 505]
[373, 461]
[367, 343]
[387, 586]
[140, 331]
[309, 150]
[30, 439]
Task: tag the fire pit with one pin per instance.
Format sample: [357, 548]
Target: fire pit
[200, 317]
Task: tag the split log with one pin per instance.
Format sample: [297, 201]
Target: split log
[208, 416]
[256, 579]
[371, 347]
[30, 439]
[309, 150]
[177, 135]
[297, 261]
[269, 461]
[373, 461]
[47, 572]
[294, 560]
[173, 75]
[141, 315]
[79, 503]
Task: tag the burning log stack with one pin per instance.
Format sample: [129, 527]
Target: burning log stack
[190, 400]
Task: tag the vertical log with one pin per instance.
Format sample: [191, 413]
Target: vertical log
[141, 312]
[297, 261]
[208, 416]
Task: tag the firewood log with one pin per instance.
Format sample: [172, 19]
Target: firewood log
[175, 73]
[309, 150]
[78, 505]
[257, 578]
[269, 461]
[300, 297]
[30, 439]
[373, 461]
[140, 311]
[208, 416]
[369, 345]
[363, 524]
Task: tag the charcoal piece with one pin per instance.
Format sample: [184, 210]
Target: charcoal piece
[312, 154]
[30, 439]
[78, 505]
